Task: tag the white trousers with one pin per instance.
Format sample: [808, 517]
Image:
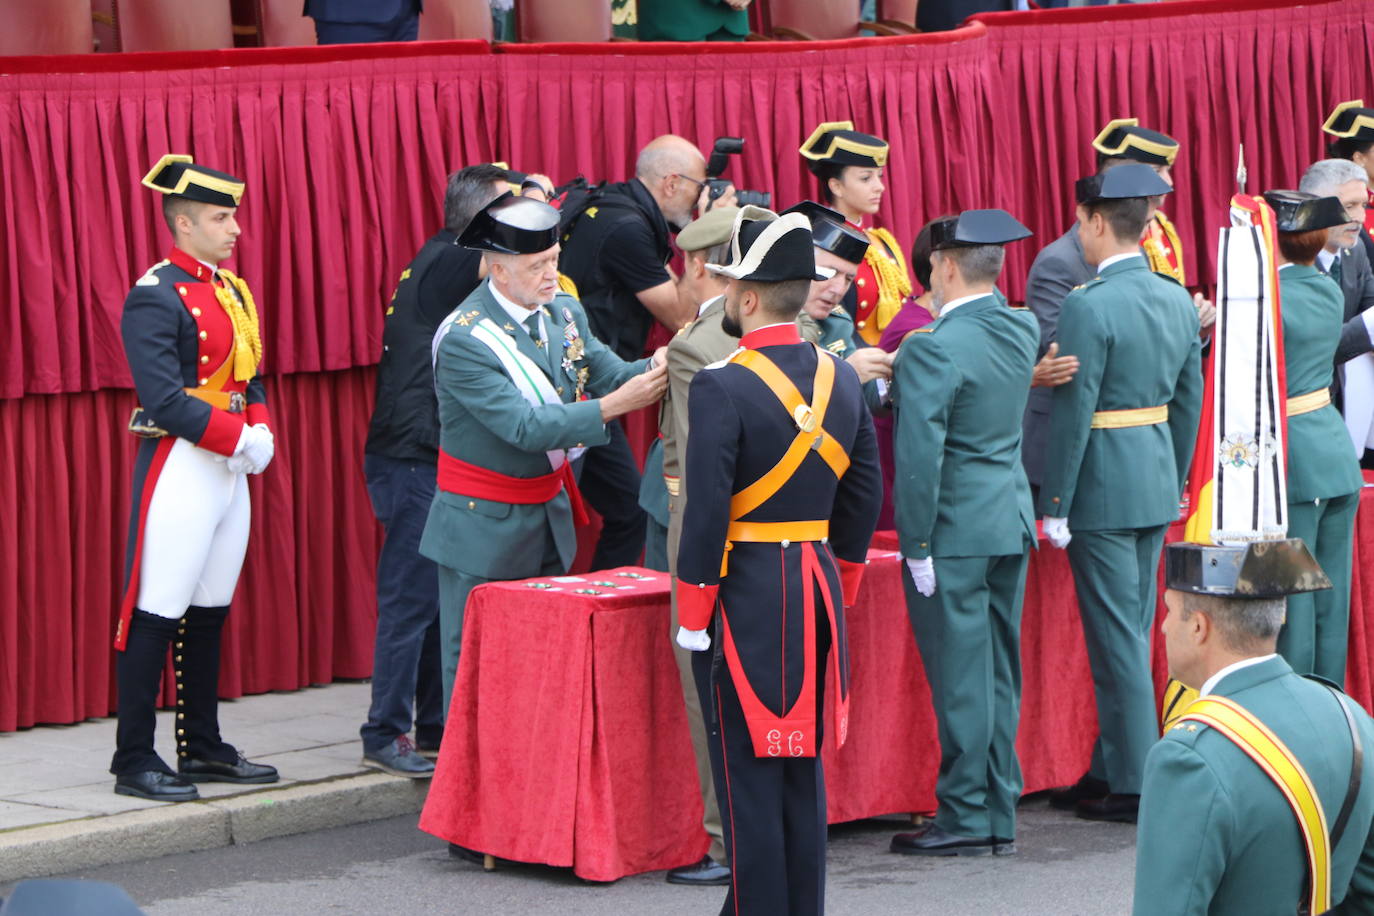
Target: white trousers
[195, 535]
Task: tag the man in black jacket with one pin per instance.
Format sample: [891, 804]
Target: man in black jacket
[400, 461]
[615, 249]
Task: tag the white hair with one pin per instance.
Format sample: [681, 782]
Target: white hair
[1325, 177]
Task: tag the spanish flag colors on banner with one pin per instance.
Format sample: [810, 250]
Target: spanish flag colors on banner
[1236, 487]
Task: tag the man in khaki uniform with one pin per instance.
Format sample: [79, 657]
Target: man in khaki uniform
[703, 341]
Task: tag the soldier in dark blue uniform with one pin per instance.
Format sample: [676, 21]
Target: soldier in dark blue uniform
[782, 466]
[192, 339]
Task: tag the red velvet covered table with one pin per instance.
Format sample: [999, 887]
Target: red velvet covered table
[567, 741]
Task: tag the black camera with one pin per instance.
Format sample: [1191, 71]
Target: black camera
[720, 157]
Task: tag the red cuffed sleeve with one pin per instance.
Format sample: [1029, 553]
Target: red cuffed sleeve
[851, 574]
[695, 604]
[257, 413]
[222, 432]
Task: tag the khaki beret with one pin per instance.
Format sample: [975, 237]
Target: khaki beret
[712, 229]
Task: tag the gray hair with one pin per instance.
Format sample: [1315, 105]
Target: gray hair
[977, 263]
[1244, 624]
[1324, 177]
[469, 190]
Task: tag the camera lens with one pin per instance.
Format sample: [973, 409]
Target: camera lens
[754, 198]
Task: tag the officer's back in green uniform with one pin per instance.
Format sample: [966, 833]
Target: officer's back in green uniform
[1323, 473]
[1121, 440]
[1216, 834]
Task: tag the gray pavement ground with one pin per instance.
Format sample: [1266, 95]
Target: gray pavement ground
[1066, 868]
[336, 838]
[58, 810]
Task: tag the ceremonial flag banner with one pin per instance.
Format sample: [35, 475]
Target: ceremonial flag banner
[1236, 491]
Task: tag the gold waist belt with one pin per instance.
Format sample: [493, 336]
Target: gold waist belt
[1306, 403]
[1120, 419]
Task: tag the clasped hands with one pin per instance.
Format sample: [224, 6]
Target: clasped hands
[254, 451]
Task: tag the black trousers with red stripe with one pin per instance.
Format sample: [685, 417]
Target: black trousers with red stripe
[772, 809]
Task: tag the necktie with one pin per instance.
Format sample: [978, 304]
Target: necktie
[1335, 271]
[532, 325]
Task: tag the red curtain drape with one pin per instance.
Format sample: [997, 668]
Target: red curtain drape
[345, 151]
[303, 613]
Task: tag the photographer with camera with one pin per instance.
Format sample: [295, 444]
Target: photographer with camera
[616, 247]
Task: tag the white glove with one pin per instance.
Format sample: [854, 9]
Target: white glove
[923, 575]
[695, 640]
[258, 446]
[1057, 530]
[239, 464]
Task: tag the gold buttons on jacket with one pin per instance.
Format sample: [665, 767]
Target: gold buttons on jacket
[196, 311]
[204, 382]
[204, 335]
[860, 281]
[472, 505]
[182, 290]
[204, 360]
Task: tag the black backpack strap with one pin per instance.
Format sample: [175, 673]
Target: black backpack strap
[1356, 770]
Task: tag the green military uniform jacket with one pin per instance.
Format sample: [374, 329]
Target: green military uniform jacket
[484, 420]
[1135, 334]
[1320, 463]
[959, 389]
[1215, 834]
[689, 20]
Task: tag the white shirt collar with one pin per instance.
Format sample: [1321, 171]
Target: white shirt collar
[1211, 683]
[1108, 262]
[962, 300]
[518, 313]
[1325, 259]
[1287, 264]
[214, 268]
[701, 309]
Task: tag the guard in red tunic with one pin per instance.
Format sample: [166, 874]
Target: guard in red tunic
[191, 337]
[782, 468]
[1124, 140]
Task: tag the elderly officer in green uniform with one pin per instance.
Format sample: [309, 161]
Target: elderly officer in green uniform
[966, 525]
[1121, 440]
[1323, 475]
[1260, 799]
[511, 366]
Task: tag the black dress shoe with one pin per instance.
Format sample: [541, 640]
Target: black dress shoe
[155, 785]
[705, 873]
[241, 771]
[469, 855]
[1119, 808]
[932, 841]
[1087, 787]
[1002, 846]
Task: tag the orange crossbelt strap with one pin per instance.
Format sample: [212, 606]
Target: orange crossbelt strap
[1264, 747]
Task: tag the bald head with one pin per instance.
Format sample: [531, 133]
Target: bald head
[672, 169]
[667, 155]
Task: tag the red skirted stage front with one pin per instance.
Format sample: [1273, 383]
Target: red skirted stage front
[345, 151]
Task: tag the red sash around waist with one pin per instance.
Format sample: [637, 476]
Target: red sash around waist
[457, 476]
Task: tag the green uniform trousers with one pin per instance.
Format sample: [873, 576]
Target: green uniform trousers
[454, 587]
[1315, 634]
[1116, 577]
[969, 636]
[655, 545]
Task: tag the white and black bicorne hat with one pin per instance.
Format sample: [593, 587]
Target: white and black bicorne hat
[767, 248]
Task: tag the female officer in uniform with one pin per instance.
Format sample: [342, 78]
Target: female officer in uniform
[850, 166]
[1323, 473]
